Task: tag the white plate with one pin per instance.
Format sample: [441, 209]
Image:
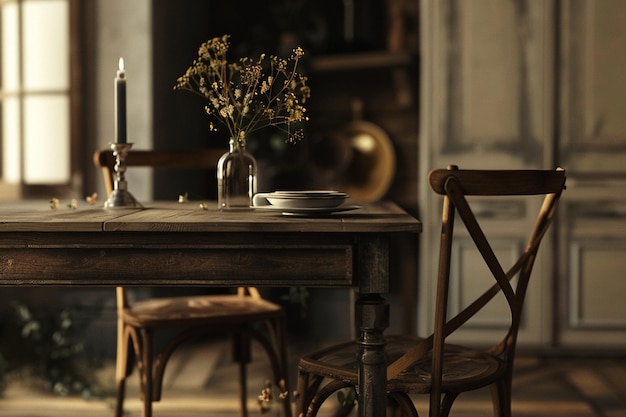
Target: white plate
[301, 199]
[305, 202]
[309, 211]
[309, 193]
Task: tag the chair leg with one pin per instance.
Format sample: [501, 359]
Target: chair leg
[501, 397]
[243, 390]
[146, 373]
[313, 397]
[446, 404]
[123, 366]
[279, 341]
[275, 346]
[242, 355]
[121, 390]
[401, 404]
[301, 392]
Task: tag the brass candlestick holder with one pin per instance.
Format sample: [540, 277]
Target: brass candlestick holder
[120, 197]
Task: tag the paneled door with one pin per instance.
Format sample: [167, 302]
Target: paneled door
[486, 77]
[532, 84]
[592, 144]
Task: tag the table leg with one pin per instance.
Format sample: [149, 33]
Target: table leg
[372, 313]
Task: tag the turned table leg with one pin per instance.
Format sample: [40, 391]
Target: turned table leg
[372, 312]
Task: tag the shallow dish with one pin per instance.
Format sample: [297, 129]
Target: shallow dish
[306, 202]
[301, 199]
[308, 211]
[309, 193]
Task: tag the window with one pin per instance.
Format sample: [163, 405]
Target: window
[35, 133]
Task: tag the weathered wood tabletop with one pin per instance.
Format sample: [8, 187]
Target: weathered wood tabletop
[169, 243]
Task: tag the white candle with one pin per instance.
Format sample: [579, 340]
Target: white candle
[120, 104]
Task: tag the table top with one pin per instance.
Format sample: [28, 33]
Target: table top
[38, 216]
[170, 243]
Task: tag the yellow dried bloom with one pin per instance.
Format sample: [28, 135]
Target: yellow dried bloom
[247, 95]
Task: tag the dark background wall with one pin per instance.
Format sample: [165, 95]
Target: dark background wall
[377, 65]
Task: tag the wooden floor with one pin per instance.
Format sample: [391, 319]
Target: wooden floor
[202, 382]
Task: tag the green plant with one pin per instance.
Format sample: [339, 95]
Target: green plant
[48, 346]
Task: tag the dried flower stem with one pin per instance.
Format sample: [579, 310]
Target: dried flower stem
[242, 96]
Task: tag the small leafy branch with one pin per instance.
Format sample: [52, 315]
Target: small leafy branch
[271, 395]
[268, 396]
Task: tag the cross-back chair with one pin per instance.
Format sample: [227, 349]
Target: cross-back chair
[431, 366]
[237, 314]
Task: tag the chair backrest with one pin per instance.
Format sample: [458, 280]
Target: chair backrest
[182, 159]
[455, 185]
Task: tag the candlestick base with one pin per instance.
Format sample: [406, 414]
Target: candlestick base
[120, 197]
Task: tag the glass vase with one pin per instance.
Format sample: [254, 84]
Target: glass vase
[236, 178]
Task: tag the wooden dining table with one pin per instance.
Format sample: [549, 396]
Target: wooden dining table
[190, 244]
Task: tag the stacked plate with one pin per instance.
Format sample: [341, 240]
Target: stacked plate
[306, 199]
[304, 202]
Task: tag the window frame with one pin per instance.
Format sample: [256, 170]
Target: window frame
[75, 93]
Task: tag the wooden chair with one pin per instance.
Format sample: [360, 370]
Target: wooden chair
[238, 314]
[431, 366]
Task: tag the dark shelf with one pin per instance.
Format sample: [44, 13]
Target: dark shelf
[360, 60]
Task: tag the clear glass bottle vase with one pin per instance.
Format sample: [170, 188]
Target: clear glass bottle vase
[236, 178]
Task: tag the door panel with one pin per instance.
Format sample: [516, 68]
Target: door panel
[592, 312]
[486, 103]
[593, 87]
[536, 84]
[592, 145]
[490, 80]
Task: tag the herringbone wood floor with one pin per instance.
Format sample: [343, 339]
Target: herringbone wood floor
[201, 381]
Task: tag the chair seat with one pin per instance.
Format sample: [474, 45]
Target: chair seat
[206, 310]
[464, 368]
